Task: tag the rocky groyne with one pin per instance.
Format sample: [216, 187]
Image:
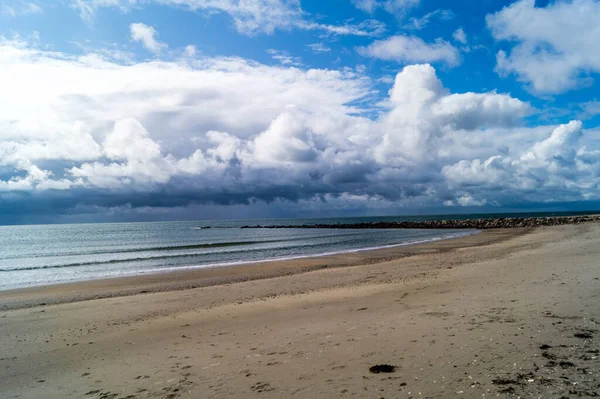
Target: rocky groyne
[479, 224]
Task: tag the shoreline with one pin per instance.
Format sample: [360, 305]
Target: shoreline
[196, 277]
[496, 314]
[175, 269]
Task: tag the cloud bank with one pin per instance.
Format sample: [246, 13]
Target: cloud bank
[82, 133]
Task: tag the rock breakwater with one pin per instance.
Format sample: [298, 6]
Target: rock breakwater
[479, 224]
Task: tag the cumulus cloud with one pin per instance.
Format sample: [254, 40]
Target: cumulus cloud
[288, 140]
[170, 135]
[555, 46]
[124, 114]
[422, 113]
[411, 49]
[129, 140]
[556, 164]
[147, 36]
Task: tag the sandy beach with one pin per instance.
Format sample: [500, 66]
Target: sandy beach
[509, 313]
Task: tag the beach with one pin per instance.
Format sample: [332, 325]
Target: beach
[508, 312]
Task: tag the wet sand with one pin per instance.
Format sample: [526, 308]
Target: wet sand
[507, 312]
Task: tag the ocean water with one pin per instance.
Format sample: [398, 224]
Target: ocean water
[49, 254]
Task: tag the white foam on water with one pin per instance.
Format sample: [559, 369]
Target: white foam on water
[353, 250]
[70, 275]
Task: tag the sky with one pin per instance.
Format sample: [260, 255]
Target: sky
[127, 110]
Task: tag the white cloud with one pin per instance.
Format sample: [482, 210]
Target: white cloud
[232, 131]
[415, 23]
[460, 36]
[367, 5]
[147, 36]
[288, 139]
[129, 140]
[555, 47]
[284, 58]
[250, 17]
[34, 179]
[397, 7]
[87, 8]
[589, 109]
[411, 49]
[24, 140]
[369, 27]
[468, 200]
[319, 47]
[423, 113]
[556, 166]
[20, 7]
[560, 144]
[101, 108]
[190, 51]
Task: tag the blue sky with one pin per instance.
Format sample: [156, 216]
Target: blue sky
[170, 109]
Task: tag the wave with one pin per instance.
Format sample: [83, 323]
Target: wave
[101, 262]
[144, 249]
[167, 248]
[146, 258]
[193, 255]
[292, 257]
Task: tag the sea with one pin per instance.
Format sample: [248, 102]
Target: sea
[34, 255]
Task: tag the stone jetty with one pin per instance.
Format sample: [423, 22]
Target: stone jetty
[480, 224]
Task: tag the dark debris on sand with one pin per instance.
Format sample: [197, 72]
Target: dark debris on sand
[572, 366]
[382, 368]
[584, 335]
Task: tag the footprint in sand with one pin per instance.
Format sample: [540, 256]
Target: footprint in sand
[261, 387]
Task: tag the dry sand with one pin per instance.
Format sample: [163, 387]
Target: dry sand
[506, 313]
